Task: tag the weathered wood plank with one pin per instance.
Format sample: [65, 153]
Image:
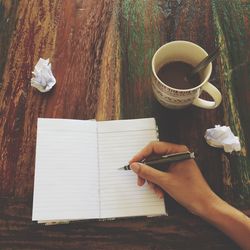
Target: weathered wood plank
[140, 38]
[34, 36]
[7, 25]
[175, 232]
[142, 33]
[192, 21]
[72, 34]
[101, 54]
[232, 32]
[109, 104]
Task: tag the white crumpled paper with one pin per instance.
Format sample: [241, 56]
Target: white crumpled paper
[222, 137]
[43, 79]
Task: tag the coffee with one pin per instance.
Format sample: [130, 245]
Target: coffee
[174, 74]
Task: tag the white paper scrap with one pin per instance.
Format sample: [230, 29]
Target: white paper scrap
[222, 137]
[43, 79]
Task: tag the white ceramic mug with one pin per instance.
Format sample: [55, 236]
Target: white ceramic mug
[179, 98]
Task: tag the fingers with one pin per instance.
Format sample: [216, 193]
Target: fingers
[158, 191]
[148, 173]
[160, 148]
[140, 181]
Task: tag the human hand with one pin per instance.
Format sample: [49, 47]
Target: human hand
[183, 180]
[185, 183]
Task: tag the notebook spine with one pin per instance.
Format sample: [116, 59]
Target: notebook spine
[157, 133]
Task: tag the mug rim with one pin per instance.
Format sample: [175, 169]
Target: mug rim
[185, 42]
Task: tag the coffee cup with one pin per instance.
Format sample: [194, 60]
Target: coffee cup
[176, 97]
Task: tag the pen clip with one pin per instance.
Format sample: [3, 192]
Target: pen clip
[176, 154]
[168, 156]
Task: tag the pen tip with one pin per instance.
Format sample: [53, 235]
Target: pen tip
[124, 168]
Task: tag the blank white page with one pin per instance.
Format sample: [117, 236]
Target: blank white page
[66, 171]
[120, 196]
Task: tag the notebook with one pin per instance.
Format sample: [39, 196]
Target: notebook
[76, 170]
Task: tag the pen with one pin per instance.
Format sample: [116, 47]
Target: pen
[158, 163]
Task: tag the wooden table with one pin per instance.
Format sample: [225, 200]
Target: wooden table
[101, 54]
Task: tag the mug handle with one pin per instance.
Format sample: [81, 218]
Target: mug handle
[213, 92]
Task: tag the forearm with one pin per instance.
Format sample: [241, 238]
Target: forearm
[231, 221]
[185, 183]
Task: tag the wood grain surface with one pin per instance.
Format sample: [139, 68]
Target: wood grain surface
[101, 53]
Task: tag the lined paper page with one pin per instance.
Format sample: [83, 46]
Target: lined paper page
[66, 171]
[119, 194]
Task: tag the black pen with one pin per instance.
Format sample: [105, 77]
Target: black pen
[160, 163]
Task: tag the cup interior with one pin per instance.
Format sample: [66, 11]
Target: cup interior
[181, 51]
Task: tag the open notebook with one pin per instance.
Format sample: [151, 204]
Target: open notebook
[76, 172]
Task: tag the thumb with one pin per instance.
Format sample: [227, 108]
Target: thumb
[148, 173]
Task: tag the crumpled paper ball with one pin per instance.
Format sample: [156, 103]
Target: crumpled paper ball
[222, 137]
[43, 79]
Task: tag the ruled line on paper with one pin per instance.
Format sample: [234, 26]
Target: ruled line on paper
[68, 183]
[119, 192]
[66, 167]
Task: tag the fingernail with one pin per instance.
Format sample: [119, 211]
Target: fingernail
[135, 167]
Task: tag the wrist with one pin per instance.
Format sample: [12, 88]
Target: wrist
[229, 220]
[212, 209]
[208, 207]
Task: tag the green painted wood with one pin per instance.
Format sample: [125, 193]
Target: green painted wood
[140, 38]
[231, 20]
[142, 33]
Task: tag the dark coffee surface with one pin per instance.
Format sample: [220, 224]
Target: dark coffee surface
[174, 75]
